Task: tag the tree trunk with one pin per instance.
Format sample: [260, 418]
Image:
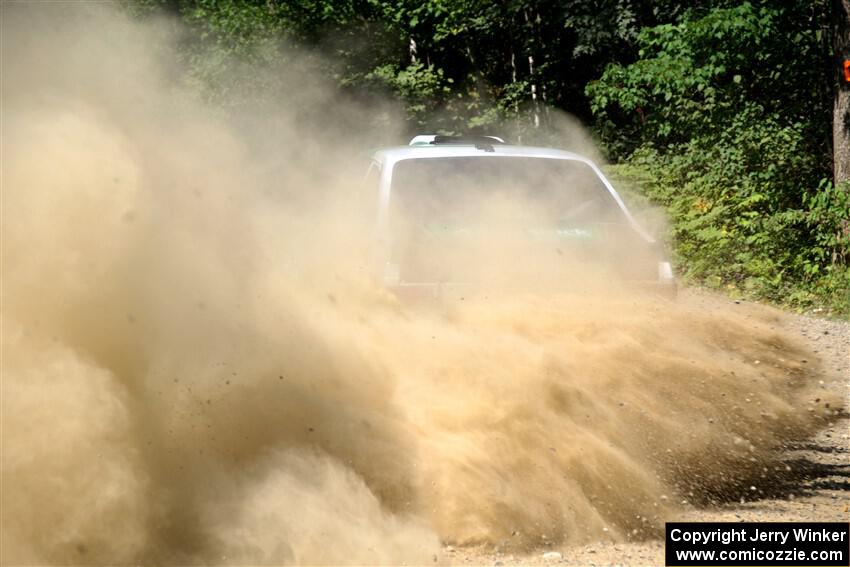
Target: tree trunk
[513, 78]
[841, 106]
[412, 50]
[535, 108]
[542, 48]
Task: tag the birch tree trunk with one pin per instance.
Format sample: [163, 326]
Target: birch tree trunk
[513, 78]
[535, 108]
[412, 50]
[841, 106]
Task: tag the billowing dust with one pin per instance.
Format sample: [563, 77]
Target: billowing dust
[197, 367]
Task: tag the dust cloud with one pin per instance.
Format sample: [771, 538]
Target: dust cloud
[198, 369]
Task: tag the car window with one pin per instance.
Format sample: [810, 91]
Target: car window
[459, 191]
[438, 205]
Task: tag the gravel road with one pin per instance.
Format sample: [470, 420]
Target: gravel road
[816, 486]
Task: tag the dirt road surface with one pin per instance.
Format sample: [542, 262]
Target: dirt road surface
[814, 487]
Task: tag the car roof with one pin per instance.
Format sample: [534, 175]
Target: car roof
[399, 153]
[388, 157]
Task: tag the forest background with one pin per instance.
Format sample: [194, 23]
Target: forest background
[732, 116]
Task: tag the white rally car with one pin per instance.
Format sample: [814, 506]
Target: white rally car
[435, 201]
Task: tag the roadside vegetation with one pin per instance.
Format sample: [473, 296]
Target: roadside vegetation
[721, 112]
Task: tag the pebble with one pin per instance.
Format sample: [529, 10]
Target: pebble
[552, 556]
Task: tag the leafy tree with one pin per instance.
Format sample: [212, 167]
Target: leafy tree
[723, 117]
[721, 108]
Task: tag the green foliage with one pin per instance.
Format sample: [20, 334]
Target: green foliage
[718, 122]
[721, 109]
[485, 56]
[422, 88]
[693, 76]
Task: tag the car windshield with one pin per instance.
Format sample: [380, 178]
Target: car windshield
[444, 208]
[455, 190]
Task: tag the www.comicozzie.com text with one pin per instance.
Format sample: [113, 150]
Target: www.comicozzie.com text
[757, 534]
